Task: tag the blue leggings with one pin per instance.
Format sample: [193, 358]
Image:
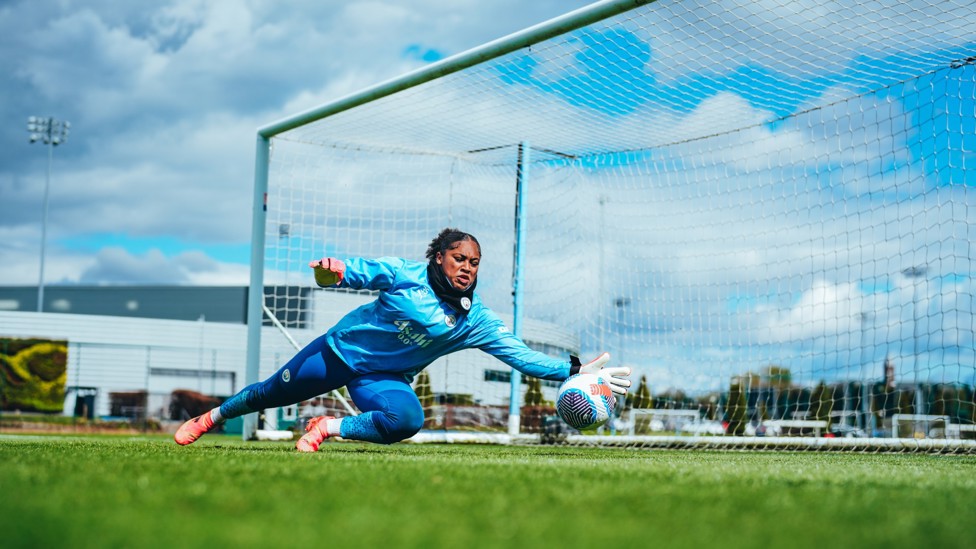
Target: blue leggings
[390, 409]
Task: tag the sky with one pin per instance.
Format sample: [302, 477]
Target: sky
[164, 99]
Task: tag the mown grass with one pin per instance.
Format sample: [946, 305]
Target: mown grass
[148, 492]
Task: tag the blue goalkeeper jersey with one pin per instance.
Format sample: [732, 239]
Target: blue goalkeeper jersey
[407, 327]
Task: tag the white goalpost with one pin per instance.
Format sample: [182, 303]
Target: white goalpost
[765, 208]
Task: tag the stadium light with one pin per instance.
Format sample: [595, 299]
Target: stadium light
[915, 273]
[619, 304]
[866, 423]
[52, 132]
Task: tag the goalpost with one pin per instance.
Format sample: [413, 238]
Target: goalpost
[766, 209]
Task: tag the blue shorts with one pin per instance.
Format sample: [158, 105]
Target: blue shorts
[388, 402]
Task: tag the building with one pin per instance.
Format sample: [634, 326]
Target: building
[147, 341]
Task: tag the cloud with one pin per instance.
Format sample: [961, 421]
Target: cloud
[735, 232]
[164, 103]
[116, 265]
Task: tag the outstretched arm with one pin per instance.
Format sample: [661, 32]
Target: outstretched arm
[505, 346]
[356, 272]
[512, 351]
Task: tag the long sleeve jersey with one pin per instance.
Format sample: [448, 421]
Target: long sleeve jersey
[407, 327]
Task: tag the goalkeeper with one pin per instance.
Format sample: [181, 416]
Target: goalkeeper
[424, 311]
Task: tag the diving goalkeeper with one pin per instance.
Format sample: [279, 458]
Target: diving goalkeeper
[424, 311]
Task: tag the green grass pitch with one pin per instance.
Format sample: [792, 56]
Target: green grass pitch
[119, 491]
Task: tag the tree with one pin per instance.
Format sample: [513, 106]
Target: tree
[777, 376]
[424, 394]
[736, 413]
[967, 405]
[641, 398]
[674, 399]
[535, 408]
[906, 402]
[762, 411]
[821, 403]
[943, 401]
[533, 391]
[708, 403]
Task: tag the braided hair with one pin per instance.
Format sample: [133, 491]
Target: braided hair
[448, 239]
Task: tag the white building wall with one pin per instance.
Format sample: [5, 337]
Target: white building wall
[122, 354]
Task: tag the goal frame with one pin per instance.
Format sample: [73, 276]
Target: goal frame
[513, 42]
[850, 322]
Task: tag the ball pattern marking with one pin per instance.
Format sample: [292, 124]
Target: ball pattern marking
[585, 401]
[576, 409]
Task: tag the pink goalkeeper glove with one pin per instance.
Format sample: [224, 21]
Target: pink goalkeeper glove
[329, 271]
[616, 377]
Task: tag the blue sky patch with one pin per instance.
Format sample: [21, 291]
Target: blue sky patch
[168, 245]
[421, 53]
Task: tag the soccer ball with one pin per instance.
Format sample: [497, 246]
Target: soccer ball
[585, 401]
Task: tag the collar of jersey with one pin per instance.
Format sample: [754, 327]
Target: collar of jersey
[447, 293]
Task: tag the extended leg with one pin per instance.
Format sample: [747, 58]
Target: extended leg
[391, 410]
[391, 413]
[305, 376]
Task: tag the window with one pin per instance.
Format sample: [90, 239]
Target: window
[503, 376]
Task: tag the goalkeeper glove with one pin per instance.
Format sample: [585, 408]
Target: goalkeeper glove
[329, 271]
[616, 377]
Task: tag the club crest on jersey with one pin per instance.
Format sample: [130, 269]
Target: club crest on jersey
[450, 320]
[466, 303]
[285, 375]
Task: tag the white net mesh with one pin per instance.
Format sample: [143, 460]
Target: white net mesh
[765, 208]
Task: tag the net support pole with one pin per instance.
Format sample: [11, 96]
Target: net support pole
[521, 177]
[255, 294]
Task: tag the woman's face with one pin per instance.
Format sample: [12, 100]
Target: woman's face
[460, 264]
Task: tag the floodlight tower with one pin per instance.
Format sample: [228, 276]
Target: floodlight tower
[866, 423]
[914, 274]
[52, 132]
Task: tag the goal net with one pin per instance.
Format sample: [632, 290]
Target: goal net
[767, 209]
